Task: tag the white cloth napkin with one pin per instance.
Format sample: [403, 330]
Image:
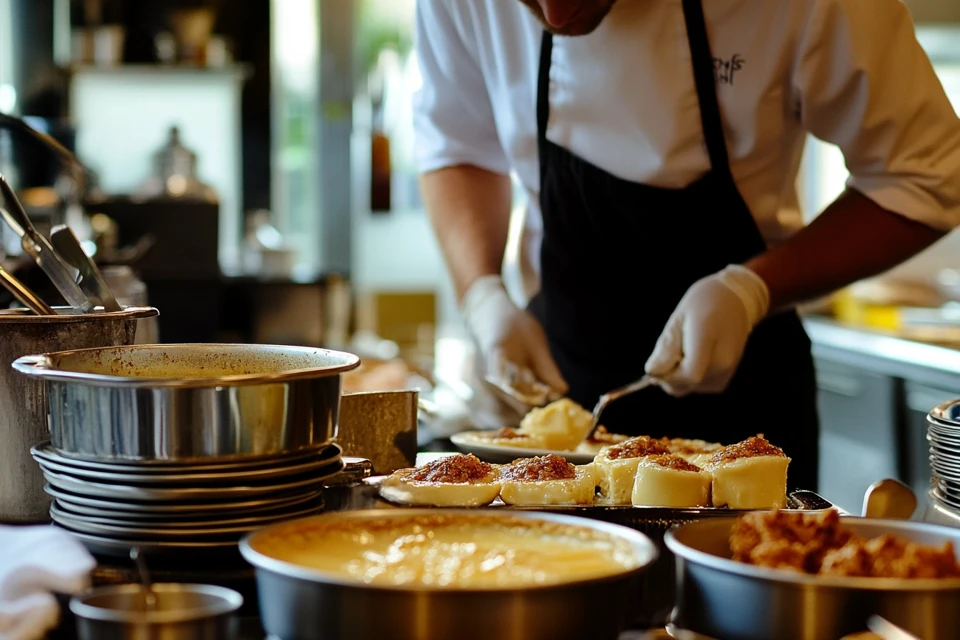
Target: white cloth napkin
[36, 563]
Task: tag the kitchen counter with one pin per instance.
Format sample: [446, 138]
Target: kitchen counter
[884, 353]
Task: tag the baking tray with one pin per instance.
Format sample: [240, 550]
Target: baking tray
[658, 582]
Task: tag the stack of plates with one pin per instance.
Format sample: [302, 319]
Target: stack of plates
[944, 439]
[113, 507]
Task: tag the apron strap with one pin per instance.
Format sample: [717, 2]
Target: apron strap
[543, 84]
[703, 75]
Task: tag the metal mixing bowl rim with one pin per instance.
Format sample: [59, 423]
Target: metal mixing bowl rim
[726, 565]
[229, 602]
[647, 551]
[19, 316]
[40, 366]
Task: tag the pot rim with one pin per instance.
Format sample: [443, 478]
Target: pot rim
[230, 601]
[43, 367]
[18, 316]
[645, 548]
[694, 556]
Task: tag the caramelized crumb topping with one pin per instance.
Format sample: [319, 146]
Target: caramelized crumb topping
[681, 445]
[753, 447]
[637, 448]
[457, 469]
[508, 433]
[602, 436]
[675, 462]
[548, 467]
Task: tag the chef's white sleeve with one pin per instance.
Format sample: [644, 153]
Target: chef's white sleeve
[864, 83]
[452, 117]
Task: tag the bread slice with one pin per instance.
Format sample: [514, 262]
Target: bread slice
[617, 466]
[560, 425]
[749, 475]
[670, 481]
[547, 480]
[455, 481]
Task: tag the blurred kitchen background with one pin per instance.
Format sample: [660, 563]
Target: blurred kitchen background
[251, 175]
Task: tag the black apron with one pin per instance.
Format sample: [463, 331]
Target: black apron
[617, 256]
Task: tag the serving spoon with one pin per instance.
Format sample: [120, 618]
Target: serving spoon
[146, 587]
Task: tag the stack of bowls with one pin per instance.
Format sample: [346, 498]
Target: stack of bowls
[113, 507]
[943, 434]
[187, 447]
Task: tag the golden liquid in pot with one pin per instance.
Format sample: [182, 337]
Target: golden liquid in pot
[497, 552]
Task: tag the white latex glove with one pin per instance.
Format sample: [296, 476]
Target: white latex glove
[35, 563]
[704, 339]
[512, 343]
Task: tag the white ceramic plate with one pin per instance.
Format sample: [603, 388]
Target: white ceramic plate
[502, 454]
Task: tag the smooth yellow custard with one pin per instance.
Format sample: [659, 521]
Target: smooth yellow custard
[560, 425]
[450, 551]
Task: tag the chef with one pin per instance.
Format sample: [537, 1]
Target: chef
[657, 141]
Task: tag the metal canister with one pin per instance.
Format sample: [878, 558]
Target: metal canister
[23, 403]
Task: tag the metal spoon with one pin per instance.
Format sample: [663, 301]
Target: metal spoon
[25, 295]
[887, 630]
[93, 284]
[889, 498]
[149, 597]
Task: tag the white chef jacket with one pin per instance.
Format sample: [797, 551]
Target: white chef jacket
[623, 98]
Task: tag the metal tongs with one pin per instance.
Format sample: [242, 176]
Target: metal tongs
[39, 248]
[520, 389]
[92, 281]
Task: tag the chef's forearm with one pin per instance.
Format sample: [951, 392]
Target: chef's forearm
[470, 211]
[852, 239]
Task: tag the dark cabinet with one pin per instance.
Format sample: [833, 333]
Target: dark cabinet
[858, 437]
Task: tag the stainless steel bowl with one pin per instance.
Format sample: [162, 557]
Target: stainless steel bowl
[720, 597]
[190, 402]
[181, 612]
[297, 603]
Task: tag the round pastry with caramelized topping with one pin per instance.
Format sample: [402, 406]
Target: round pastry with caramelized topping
[697, 452]
[667, 480]
[599, 439]
[617, 466]
[460, 480]
[749, 475]
[504, 437]
[547, 480]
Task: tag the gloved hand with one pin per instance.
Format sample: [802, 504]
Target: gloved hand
[703, 341]
[35, 563]
[512, 343]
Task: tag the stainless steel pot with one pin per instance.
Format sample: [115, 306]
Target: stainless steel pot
[23, 402]
[301, 604]
[719, 597]
[190, 402]
[380, 426]
[181, 612]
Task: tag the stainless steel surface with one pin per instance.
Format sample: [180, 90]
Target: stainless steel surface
[22, 293]
[726, 599]
[126, 493]
[45, 451]
[182, 612]
[186, 404]
[146, 587]
[23, 420]
[656, 584]
[380, 427]
[92, 282]
[300, 604]
[165, 521]
[220, 508]
[39, 248]
[889, 498]
[318, 464]
[887, 630]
